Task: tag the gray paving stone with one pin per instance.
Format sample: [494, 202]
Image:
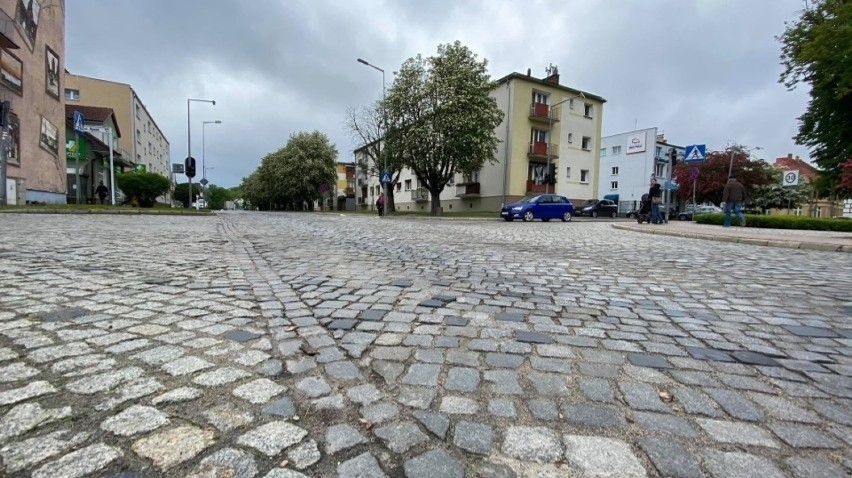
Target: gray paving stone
[814, 468]
[474, 437]
[435, 463]
[437, 423]
[313, 387]
[802, 436]
[754, 358]
[503, 382]
[459, 405]
[533, 337]
[186, 365]
[543, 409]
[343, 370]
[241, 336]
[134, 420]
[272, 437]
[702, 353]
[665, 424]
[283, 407]
[388, 370]
[597, 390]
[401, 436]
[362, 466]
[599, 456]
[220, 376]
[641, 396]
[28, 416]
[372, 315]
[24, 454]
[169, 448]
[601, 370]
[671, 459]
[737, 432]
[548, 384]
[181, 394]
[379, 412]
[645, 360]
[805, 331]
[537, 444]
[501, 360]
[550, 364]
[79, 463]
[226, 462]
[342, 324]
[593, 415]
[259, 391]
[462, 379]
[735, 404]
[341, 437]
[502, 407]
[416, 397]
[31, 390]
[364, 394]
[227, 417]
[304, 455]
[739, 465]
[509, 316]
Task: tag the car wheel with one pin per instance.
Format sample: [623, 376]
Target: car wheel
[682, 217]
[614, 214]
[529, 216]
[507, 219]
[594, 214]
[566, 217]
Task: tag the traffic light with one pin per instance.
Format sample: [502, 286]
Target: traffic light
[673, 154]
[5, 107]
[550, 177]
[189, 165]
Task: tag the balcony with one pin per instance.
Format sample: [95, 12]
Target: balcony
[420, 195]
[533, 188]
[542, 113]
[467, 190]
[538, 150]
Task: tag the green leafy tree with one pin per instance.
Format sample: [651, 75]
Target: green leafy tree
[442, 118]
[713, 175]
[143, 187]
[217, 196]
[181, 193]
[777, 196]
[817, 50]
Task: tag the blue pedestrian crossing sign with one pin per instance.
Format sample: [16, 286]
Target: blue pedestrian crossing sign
[695, 153]
[385, 178]
[78, 122]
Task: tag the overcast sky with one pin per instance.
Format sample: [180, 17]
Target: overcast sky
[702, 71]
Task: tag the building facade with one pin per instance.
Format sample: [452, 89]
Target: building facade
[628, 163]
[32, 56]
[143, 142]
[544, 123]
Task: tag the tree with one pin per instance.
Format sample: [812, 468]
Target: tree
[817, 50]
[365, 128]
[217, 196]
[845, 184]
[441, 118]
[777, 196]
[713, 175]
[144, 187]
[182, 193]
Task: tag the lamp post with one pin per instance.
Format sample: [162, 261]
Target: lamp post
[731, 161]
[203, 147]
[550, 134]
[189, 137]
[384, 124]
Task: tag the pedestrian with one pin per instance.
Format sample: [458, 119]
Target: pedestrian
[101, 191]
[733, 197]
[380, 204]
[655, 193]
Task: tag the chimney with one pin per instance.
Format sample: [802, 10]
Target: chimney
[552, 74]
[789, 155]
[529, 71]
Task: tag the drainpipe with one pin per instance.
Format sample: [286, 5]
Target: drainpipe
[507, 142]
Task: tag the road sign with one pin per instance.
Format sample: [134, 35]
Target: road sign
[693, 174]
[140, 168]
[695, 153]
[791, 178]
[177, 168]
[204, 181]
[385, 178]
[78, 122]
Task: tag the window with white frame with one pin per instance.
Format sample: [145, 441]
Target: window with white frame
[587, 142]
[603, 151]
[538, 97]
[73, 95]
[408, 185]
[613, 185]
[538, 136]
[616, 150]
[584, 175]
[659, 170]
[587, 110]
[615, 170]
[568, 172]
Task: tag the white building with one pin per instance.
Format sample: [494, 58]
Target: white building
[629, 161]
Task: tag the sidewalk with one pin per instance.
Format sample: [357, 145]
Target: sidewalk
[789, 238]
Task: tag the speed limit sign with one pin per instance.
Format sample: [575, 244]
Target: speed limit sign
[791, 178]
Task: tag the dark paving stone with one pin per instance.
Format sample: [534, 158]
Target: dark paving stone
[402, 283]
[342, 324]
[442, 283]
[431, 303]
[437, 423]
[435, 463]
[282, 408]
[735, 404]
[805, 331]
[157, 281]
[645, 360]
[670, 458]
[63, 314]
[474, 437]
[372, 315]
[533, 337]
[754, 358]
[701, 353]
[457, 321]
[509, 316]
[241, 336]
[605, 417]
[444, 298]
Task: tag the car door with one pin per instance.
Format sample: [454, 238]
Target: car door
[545, 207]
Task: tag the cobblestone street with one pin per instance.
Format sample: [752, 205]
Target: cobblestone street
[322, 345]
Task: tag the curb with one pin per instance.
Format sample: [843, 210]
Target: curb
[814, 246]
[104, 212]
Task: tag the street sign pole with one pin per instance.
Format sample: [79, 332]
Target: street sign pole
[77, 167]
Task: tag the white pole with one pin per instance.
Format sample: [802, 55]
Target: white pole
[111, 169]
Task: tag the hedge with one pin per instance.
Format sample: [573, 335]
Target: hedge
[781, 222]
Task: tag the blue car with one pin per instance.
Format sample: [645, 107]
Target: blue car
[542, 206]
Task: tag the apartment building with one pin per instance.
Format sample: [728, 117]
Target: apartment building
[32, 55]
[546, 125]
[629, 161]
[142, 142]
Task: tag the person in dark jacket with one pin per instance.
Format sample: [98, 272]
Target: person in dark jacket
[655, 194]
[733, 197]
[102, 191]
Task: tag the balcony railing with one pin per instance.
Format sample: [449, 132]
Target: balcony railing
[467, 190]
[539, 149]
[420, 195]
[543, 112]
[534, 188]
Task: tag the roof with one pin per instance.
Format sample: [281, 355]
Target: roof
[93, 114]
[806, 169]
[539, 81]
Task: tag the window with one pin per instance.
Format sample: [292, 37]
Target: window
[603, 151]
[616, 150]
[570, 137]
[137, 111]
[613, 184]
[138, 137]
[659, 151]
[587, 142]
[571, 104]
[584, 175]
[539, 97]
[398, 187]
[408, 185]
[659, 170]
[568, 172]
[538, 136]
[73, 95]
[615, 170]
[587, 110]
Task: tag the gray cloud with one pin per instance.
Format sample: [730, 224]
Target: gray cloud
[702, 71]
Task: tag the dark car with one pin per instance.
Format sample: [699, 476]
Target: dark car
[542, 206]
[598, 207]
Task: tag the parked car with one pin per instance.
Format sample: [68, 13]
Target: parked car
[598, 207]
[688, 214]
[542, 206]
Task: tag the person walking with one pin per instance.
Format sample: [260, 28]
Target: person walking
[733, 197]
[655, 193]
[102, 191]
[380, 204]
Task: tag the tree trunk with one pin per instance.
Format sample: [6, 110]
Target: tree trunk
[436, 202]
[390, 206]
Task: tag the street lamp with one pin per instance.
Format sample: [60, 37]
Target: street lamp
[189, 137]
[731, 161]
[203, 168]
[550, 135]
[384, 124]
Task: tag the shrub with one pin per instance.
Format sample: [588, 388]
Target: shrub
[781, 222]
[145, 187]
[181, 193]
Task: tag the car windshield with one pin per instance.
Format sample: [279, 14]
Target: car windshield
[591, 201]
[528, 199]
